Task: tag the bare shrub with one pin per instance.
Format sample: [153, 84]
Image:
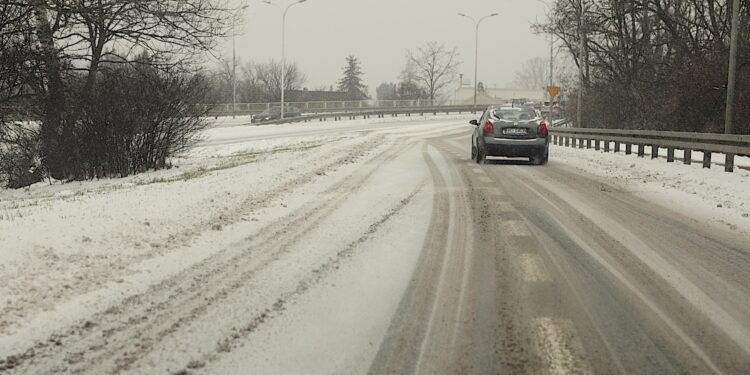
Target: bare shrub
[19, 155]
[138, 118]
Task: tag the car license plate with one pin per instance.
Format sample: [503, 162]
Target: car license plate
[515, 131]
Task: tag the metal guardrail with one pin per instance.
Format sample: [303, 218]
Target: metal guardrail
[319, 107]
[378, 113]
[708, 143]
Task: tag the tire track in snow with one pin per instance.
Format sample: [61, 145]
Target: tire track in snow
[114, 340]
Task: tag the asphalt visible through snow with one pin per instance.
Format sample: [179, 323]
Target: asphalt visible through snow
[544, 270]
[415, 259]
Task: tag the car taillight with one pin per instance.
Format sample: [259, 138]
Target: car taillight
[542, 129]
[488, 127]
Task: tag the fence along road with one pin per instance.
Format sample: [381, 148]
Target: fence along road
[709, 143]
[326, 106]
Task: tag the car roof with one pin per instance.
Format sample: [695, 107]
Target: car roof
[509, 108]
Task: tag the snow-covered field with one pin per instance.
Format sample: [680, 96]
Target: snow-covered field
[76, 249]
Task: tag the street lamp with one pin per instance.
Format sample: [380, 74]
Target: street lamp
[551, 50]
[283, 57]
[234, 65]
[476, 48]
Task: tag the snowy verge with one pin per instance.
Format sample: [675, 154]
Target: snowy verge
[720, 197]
[91, 244]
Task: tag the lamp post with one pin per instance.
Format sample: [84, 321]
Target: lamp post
[283, 56]
[551, 50]
[234, 66]
[476, 47]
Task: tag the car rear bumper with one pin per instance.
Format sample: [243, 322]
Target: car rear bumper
[515, 147]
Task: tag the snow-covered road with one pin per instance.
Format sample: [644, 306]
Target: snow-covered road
[375, 245]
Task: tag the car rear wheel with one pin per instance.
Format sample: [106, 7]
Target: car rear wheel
[473, 152]
[539, 159]
[481, 157]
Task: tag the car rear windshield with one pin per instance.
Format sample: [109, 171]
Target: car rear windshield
[514, 114]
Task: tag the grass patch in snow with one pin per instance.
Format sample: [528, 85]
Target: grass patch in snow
[234, 160]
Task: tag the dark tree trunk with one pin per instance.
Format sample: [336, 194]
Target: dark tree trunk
[55, 134]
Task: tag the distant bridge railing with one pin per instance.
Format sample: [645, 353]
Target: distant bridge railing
[377, 113]
[612, 139]
[329, 106]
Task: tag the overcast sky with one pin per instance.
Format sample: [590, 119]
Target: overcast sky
[321, 33]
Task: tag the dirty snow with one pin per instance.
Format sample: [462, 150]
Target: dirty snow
[71, 250]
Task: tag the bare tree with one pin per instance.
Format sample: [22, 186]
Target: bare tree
[435, 66]
[249, 85]
[20, 82]
[269, 78]
[80, 36]
[657, 64]
[17, 65]
[533, 74]
[255, 82]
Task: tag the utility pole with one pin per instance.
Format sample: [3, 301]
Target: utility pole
[551, 60]
[460, 86]
[234, 66]
[732, 80]
[234, 74]
[581, 57]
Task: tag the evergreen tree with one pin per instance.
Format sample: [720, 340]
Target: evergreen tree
[351, 82]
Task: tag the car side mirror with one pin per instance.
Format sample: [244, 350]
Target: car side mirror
[474, 122]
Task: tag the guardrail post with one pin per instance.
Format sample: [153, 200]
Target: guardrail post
[641, 150]
[567, 141]
[606, 146]
[670, 154]
[597, 144]
[588, 143]
[580, 143]
[688, 157]
[729, 163]
[654, 151]
[706, 159]
[628, 148]
[617, 147]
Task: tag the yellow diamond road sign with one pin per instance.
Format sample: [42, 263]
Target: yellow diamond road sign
[553, 91]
